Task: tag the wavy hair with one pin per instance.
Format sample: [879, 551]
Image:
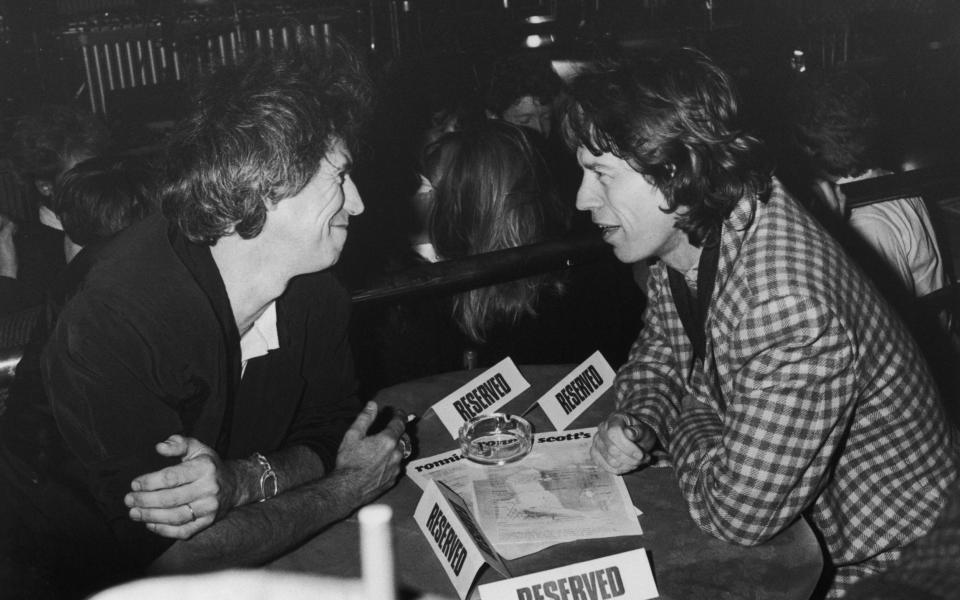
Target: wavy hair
[672, 114]
[492, 190]
[834, 125]
[258, 133]
[102, 196]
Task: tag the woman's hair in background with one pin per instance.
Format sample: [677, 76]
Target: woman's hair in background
[492, 191]
[672, 114]
[103, 196]
[258, 133]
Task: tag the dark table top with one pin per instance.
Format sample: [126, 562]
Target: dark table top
[687, 563]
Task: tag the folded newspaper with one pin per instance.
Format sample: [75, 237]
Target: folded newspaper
[555, 494]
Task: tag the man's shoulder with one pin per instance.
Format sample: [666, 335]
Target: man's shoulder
[136, 275]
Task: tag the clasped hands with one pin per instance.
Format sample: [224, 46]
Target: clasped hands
[622, 444]
[181, 500]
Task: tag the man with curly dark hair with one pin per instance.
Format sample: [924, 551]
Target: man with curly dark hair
[777, 380]
[200, 404]
[523, 90]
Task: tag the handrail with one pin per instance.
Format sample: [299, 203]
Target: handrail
[929, 180]
[486, 269]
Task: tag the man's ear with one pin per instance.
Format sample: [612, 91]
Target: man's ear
[270, 204]
[45, 187]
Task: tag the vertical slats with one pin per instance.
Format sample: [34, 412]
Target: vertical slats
[99, 69]
[141, 64]
[176, 62]
[90, 83]
[119, 57]
[233, 46]
[128, 48]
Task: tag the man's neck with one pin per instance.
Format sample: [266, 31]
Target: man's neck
[683, 256]
[252, 283]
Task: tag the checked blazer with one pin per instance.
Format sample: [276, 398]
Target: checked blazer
[812, 397]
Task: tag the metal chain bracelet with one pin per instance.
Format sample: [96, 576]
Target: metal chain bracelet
[268, 478]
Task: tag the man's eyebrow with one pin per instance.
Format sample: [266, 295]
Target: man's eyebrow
[344, 167]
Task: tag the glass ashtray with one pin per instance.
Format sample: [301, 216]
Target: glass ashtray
[496, 439]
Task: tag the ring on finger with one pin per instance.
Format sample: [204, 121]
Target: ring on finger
[193, 515]
[405, 447]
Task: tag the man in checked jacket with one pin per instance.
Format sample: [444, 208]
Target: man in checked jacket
[773, 374]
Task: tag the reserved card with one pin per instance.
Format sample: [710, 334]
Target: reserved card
[624, 575]
[484, 394]
[453, 535]
[577, 391]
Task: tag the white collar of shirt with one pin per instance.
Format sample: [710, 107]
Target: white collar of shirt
[261, 338]
[49, 218]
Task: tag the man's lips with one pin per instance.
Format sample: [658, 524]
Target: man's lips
[607, 229]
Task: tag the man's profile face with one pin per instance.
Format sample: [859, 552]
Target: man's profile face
[310, 228]
[529, 112]
[627, 208]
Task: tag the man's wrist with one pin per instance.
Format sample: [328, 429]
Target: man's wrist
[268, 483]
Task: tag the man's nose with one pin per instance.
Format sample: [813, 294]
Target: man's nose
[586, 199]
[352, 203]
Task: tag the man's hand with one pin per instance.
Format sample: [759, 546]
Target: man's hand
[622, 444]
[371, 462]
[181, 500]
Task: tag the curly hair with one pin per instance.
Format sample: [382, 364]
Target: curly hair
[672, 114]
[492, 191]
[833, 124]
[44, 142]
[258, 134]
[102, 196]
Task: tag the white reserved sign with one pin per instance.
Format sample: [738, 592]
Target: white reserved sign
[453, 535]
[483, 394]
[577, 391]
[626, 575]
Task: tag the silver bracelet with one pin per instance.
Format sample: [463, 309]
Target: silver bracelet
[268, 478]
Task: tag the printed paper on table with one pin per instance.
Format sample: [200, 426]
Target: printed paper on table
[454, 537]
[624, 575]
[555, 494]
[483, 394]
[577, 391]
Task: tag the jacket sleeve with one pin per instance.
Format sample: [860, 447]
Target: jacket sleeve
[330, 402]
[649, 385]
[100, 374]
[749, 473]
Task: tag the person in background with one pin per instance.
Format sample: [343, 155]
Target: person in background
[100, 197]
[494, 190]
[835, 131]
[199, 409]
[45, 146]
[523, 90]
[775, 377]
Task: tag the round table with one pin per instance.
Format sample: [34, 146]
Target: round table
[687, 563]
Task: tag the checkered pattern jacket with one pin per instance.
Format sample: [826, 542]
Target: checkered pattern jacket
[812, 398]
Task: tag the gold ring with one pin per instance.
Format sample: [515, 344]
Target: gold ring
[193, 515]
